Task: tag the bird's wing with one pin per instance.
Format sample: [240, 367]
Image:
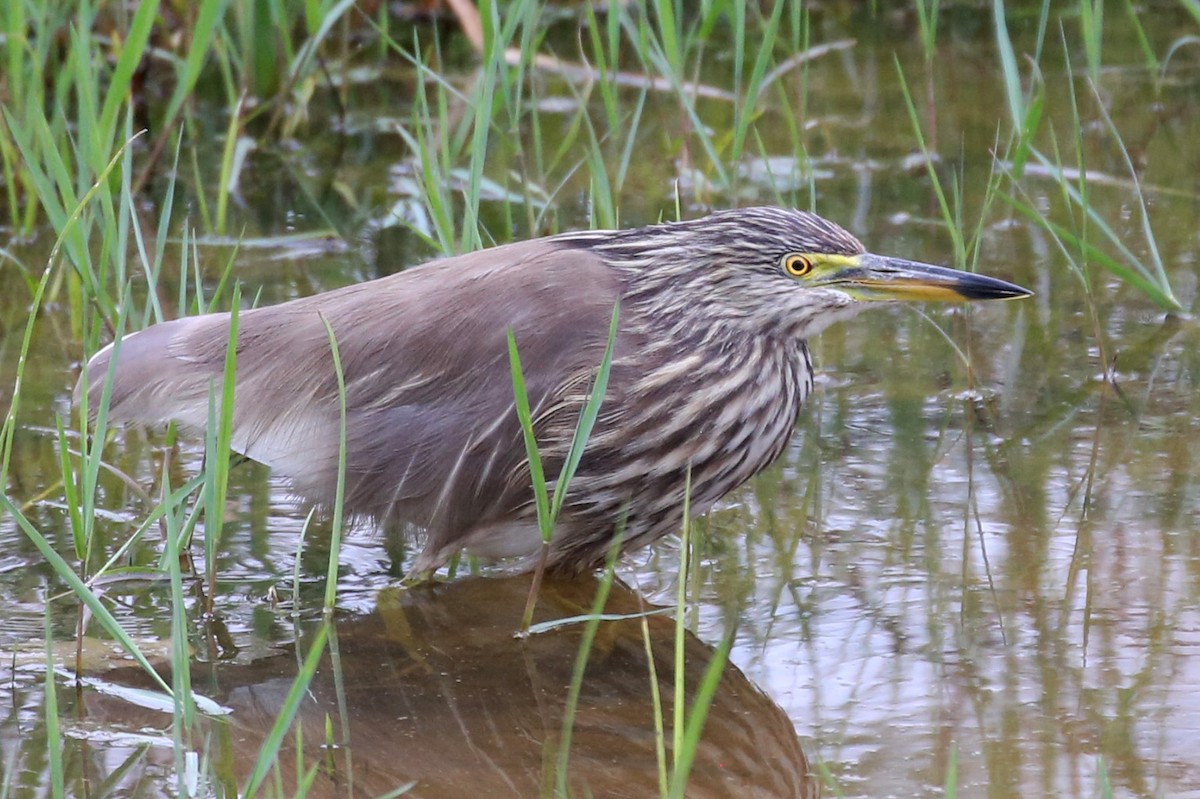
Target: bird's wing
[431, 432]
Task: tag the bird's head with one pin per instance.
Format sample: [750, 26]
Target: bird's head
[784, 269]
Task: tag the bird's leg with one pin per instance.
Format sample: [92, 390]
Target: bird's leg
[417, 577]
[534, 586]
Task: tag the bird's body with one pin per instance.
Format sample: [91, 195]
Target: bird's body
[709, 371]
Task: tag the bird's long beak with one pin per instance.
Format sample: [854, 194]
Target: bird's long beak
[875, 277]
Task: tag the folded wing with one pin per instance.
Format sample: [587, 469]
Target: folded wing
[432, 436]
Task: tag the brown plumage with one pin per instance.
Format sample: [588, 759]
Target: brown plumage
[710, 368]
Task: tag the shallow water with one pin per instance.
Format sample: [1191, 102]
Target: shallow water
[989, 572]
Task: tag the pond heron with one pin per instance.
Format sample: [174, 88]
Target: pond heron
[708, 372]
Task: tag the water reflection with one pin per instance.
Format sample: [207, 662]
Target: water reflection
[432, 687]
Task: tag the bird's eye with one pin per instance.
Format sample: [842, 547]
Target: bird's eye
[797, 265]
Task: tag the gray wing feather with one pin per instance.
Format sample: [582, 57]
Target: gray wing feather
[432, 437]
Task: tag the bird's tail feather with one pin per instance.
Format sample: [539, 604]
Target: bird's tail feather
[149, 383]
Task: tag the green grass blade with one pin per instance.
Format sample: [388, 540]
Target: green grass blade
[70, 487]
[335, 543]
[689, 744]
[1159, 273]
[184, 706]
[1008, 66]
[948, 215]
[562, 761]
[210, 13]
[747, 107]
[587, 419]
[950, 784]
[54, 739]
[133, 50]
[536, 473]
[660, 736]
[927, 24]
[685, 565]
[266, 759]
[218, 438]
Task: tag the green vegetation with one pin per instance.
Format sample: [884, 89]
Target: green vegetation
[549, 505]
[129, 135]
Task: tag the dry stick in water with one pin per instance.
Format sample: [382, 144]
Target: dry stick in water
[472, 28]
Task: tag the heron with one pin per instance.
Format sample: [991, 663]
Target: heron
[709, 368]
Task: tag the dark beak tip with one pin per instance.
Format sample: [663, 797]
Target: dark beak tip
[980, 287]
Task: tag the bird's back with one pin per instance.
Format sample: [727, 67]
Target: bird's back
[431, 426]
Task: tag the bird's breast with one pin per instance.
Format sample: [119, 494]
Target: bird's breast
[712, 416]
